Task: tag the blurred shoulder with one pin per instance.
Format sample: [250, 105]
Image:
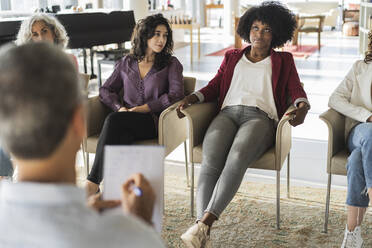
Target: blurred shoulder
[174, 62]
[284, 55]
[233, 52]
[360, 66]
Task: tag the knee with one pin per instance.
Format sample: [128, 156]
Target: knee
[210, 166]
[354, 163]
[365, 131]
[367, 140]
[237, 155]
[238, 161]
[111, 119]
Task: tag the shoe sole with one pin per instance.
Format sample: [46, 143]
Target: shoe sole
[187, 240]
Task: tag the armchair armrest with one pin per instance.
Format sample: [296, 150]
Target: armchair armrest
[172, 130]
[84, 81]
[96, 114]
[199, 117]
[336, 131]
[283, 140]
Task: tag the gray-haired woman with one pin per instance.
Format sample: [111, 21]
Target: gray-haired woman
[43, 27]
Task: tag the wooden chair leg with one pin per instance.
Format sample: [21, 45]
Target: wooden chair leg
[319, 41]
[186, 164]
[325, 229]
[277, 199]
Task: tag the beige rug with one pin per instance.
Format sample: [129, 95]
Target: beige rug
[250, 220]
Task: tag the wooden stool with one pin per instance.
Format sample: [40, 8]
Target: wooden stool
[350, 29]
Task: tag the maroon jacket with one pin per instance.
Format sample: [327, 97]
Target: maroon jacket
[285, 80]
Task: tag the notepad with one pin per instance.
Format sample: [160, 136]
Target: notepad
[120, 162]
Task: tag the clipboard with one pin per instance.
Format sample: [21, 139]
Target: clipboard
[120, 162]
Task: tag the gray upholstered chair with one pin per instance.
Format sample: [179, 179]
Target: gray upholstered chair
[168, 121]
[199, 117]
[337, 151]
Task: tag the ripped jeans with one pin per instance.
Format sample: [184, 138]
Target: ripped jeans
[359, 165]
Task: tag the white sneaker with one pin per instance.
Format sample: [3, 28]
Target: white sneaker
[197, 236]
[352, 239]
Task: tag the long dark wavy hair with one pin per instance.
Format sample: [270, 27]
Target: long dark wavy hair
[368, 57]
[145, 30]
[273, 13]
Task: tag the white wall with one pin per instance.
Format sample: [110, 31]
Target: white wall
[139, 7]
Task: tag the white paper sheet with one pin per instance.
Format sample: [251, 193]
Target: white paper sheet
[120, 162]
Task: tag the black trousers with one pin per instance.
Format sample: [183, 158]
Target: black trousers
[121, 128]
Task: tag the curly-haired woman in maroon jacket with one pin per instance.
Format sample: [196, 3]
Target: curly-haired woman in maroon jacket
[252, 87]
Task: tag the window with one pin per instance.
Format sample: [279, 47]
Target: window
[5, 5]
[24, 5]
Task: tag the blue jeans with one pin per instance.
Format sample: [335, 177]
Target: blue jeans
[238, 136]
[6, 168]
[359, 165]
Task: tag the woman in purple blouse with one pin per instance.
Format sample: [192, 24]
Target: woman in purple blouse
[143, 84]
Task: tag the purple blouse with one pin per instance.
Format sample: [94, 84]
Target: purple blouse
[159, 89]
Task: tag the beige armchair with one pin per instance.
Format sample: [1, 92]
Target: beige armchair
[84, 80]
[337, 151]
[168, 121]
[303, 27]
[199, 117]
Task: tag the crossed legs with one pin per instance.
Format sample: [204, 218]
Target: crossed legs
[359, 174]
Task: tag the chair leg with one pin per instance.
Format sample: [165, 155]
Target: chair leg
[325, 229]
[288, 171]
[83, 152]
[319, 41]
[87, 156]
[186, 164]
[192, 190]
[277, 199]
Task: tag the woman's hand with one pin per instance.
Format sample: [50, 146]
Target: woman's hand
[123, 109]
[299, 114]
[95, 202]
[140, 109]
[185, 102]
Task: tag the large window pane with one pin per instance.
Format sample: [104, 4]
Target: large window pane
[24, 5]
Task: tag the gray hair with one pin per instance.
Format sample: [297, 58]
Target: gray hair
[59, 31]
[38, 97]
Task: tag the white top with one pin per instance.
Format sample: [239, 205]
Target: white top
[50, 215]
[251, 85]
[352, 97]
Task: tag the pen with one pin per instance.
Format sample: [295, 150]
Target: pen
[136, 190]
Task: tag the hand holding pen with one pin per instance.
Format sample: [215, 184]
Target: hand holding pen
[138, 197]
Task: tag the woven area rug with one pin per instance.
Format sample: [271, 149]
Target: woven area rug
[300, 51]
[250, 219]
